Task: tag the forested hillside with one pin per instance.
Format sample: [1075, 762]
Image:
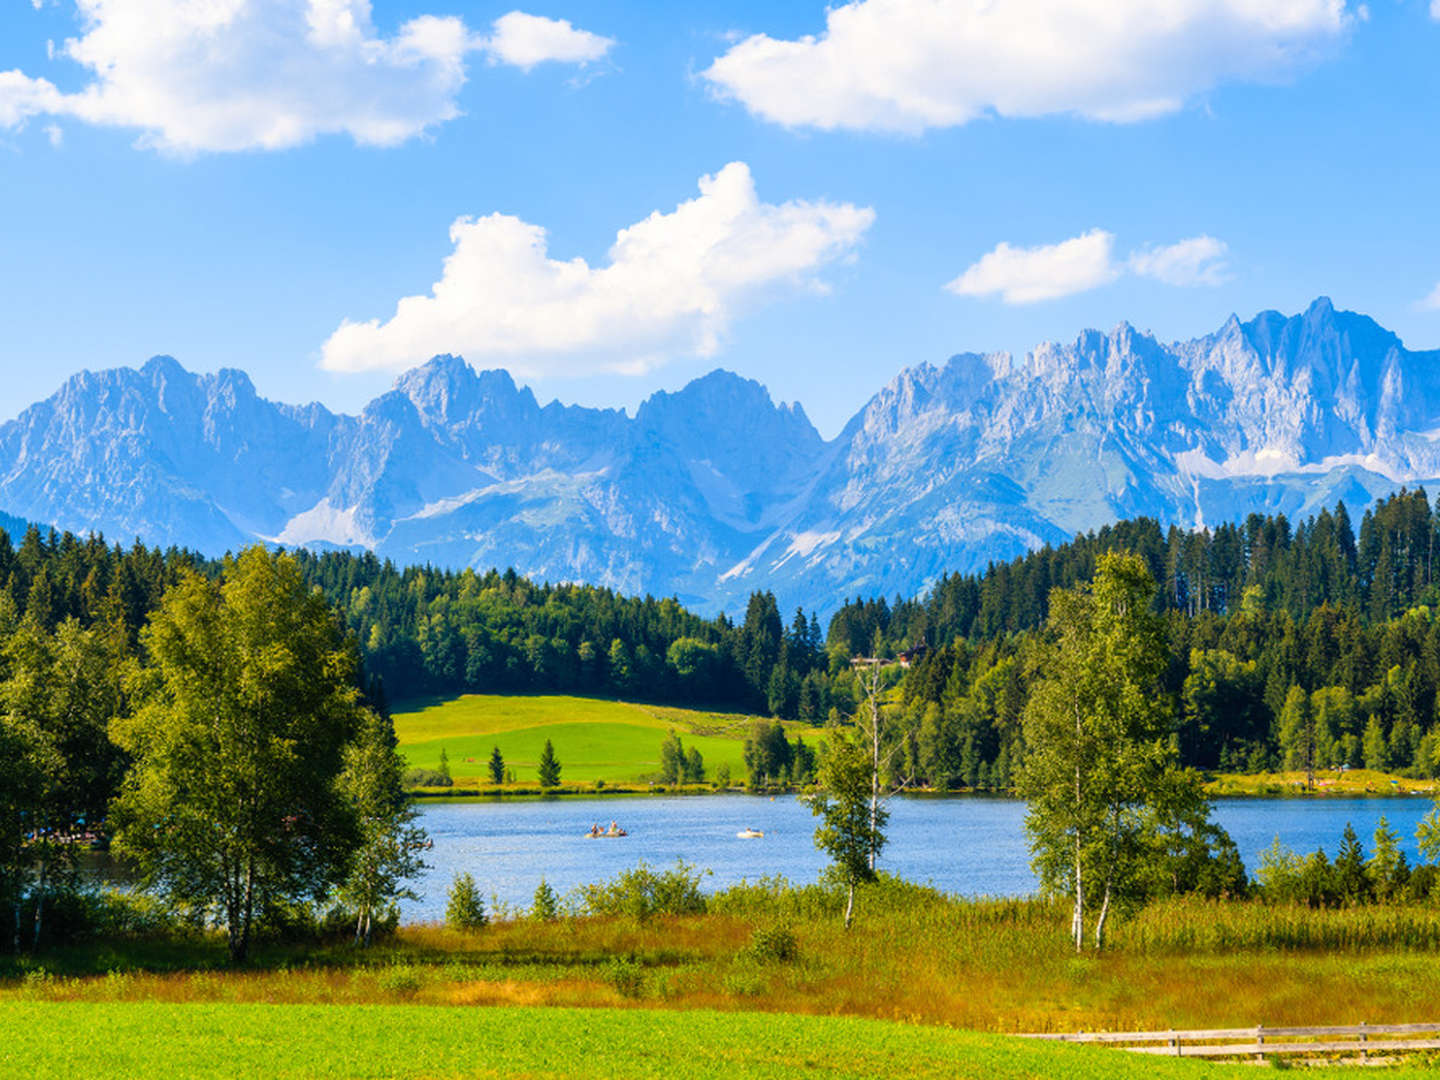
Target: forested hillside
[1299, 646]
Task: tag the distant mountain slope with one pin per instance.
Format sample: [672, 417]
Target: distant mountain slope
[714, 490]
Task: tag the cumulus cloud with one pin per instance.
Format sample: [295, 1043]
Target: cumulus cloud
[1199, 260]
[270, 74]
[1026, 275]
[526, 40]
[671, 285]
[909, 65]
[1020, 275]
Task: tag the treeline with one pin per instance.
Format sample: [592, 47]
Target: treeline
[1289, 648]
[428, 631]
[1303, 646]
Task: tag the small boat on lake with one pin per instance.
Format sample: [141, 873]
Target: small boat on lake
[612, 833]
[749, 834]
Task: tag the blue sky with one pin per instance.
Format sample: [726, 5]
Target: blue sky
[1221, 161]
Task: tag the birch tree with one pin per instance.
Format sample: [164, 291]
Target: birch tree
[387, 855]
[1100, 763]
[240, 721]
[852, 833]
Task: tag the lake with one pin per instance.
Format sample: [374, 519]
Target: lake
[968, 845]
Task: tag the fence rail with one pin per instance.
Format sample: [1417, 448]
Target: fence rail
[1261, 1041]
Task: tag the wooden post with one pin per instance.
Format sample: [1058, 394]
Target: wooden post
[1260, 1041]
[1364, 1053]
[1175, 1042]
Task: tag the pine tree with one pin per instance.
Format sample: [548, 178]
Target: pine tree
[1350, 876]
[497, 766]
[549, 767]
[546, 905]
[444, 769]
[464, 909]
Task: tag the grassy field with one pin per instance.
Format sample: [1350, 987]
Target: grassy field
[595, 739]
[923, 985]
[1350, 782]
[226, 1040]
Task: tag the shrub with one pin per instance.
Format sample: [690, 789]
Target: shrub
[644, 893]
[399, 979]
[418, 778]
[465, 910]
[625, 976]
[772, 945]
[744, 980]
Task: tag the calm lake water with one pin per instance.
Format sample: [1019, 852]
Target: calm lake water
[967, 845]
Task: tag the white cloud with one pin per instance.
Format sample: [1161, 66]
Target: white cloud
[1435, 9]
[672, 284]
[54, 134]
[909, 65]
[1199, 260]
[526, 40]
[1026, 275]
[228, 75]
[1048, 272]
[1432, 300]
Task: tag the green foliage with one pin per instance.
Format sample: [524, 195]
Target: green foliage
[497, 766]
[1101, 776]
[643, 893]
[625, 976]
[852, 829]
[242, 714]
[387, 852]
[549, 768]
[774, 944]
[464, 908]
[418, 778]
[546, 905]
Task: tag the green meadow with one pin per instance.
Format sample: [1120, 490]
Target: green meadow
[126, 1039]
[594, 738]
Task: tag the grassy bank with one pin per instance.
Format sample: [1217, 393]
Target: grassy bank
[1331, 782]
[616, 742]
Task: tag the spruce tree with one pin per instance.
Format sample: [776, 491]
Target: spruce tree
[549, 768]
[497, 766]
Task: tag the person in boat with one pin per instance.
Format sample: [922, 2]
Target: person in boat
[595, 829]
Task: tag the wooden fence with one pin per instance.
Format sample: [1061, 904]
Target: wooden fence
[1362, 1039]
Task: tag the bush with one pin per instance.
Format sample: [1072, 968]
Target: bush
[625, 976]
[465, 910]
[644, 893]
[418, 778]
[399, 979]
[772, 945]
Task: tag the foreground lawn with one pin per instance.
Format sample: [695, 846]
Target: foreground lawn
[148, 1040]
[595, 739]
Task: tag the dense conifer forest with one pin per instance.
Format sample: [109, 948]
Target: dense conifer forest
[1300, 646]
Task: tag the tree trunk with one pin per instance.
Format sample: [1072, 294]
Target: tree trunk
[359, 927]
[1077, 920]
[1100, 922]
[849, 905]
[874, 766]
[39, 905]
[1077, 924]
[240, 923]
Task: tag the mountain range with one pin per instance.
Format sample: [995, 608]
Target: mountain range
[715, 490]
